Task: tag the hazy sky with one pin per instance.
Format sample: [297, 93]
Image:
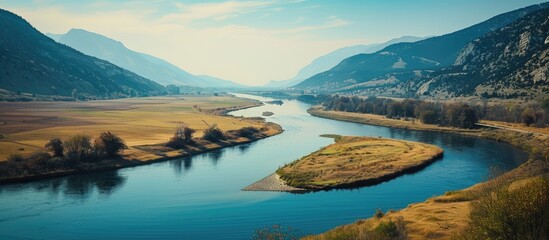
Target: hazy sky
[252, 42]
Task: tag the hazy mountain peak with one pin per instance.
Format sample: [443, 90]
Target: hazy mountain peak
[34, 63]
[151, 67]
[327, 61]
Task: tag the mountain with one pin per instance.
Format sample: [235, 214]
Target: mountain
[148, 66]
[398, 62]
[508, 63]
[326, 62]
[209, 81]
[33, 63]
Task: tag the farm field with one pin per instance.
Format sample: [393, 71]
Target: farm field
[25, 127]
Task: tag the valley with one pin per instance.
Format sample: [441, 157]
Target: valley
[349, 120]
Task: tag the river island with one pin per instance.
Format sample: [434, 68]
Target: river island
[351, 162]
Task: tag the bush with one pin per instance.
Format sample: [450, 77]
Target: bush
[213, 133]
[247, 132]
[108, 145]
[55, 145]
[78, 147]
[521, 213]
[16, 158]
[183, 136]
[276, 232]
[379, 213]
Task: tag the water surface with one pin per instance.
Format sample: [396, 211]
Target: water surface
[200, 197]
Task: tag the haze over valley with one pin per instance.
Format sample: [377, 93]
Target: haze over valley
[276, 119]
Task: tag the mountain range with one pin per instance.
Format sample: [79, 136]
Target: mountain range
[148, 66]
[510, 62]
[30, 62]
[376, 72]
[326, 62]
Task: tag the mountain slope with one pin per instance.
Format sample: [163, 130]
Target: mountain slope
[151, 67]
[31, 62]
[508, 63]
[429, 54]
[208, 81]
[326, 62]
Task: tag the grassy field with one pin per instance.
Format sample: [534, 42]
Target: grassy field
[357, 161]
[26, 126]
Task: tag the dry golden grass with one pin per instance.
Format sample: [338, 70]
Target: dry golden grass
[428, 220]
[357, 160]
[519, 126]
[27, 126]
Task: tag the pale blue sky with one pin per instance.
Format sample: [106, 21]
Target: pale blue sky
[252, 42]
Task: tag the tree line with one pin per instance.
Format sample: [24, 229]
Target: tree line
[459, 114]
[183, 135]
[64, 154]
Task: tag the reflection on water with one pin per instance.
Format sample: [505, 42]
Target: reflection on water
[215, 155]
[74, 186]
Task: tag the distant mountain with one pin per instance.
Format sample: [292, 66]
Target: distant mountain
[33, 63]
[399, 62]
[508, 63]
[148, 66]
[209, 81]
[326, 62]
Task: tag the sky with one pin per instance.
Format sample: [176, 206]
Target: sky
[252, 42]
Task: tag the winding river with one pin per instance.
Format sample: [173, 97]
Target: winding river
[200, 197]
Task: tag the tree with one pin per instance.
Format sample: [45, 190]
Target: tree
[55, 145]
[78, 147]
[188, 133]
[428, 117]
[213, 133]
[108, 145]
[528, 117]
[183, 136]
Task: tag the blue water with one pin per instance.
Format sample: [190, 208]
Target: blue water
[200, 197]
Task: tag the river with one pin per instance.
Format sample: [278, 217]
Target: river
[200, 197]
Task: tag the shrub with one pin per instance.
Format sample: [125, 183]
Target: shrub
[276, 232]
[521, 213]
[108, 145]
[247, 132]
[528, 116]
[379, 213]
[183, 136]
[78, 147]
[213, 133]
[16, 158]
[55, 145]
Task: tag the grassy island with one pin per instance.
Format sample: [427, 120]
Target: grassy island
[358, 161]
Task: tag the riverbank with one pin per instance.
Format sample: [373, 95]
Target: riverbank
[378, 120]
[351, 162]
[273, 183]
[446, 216]
[140, 150]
